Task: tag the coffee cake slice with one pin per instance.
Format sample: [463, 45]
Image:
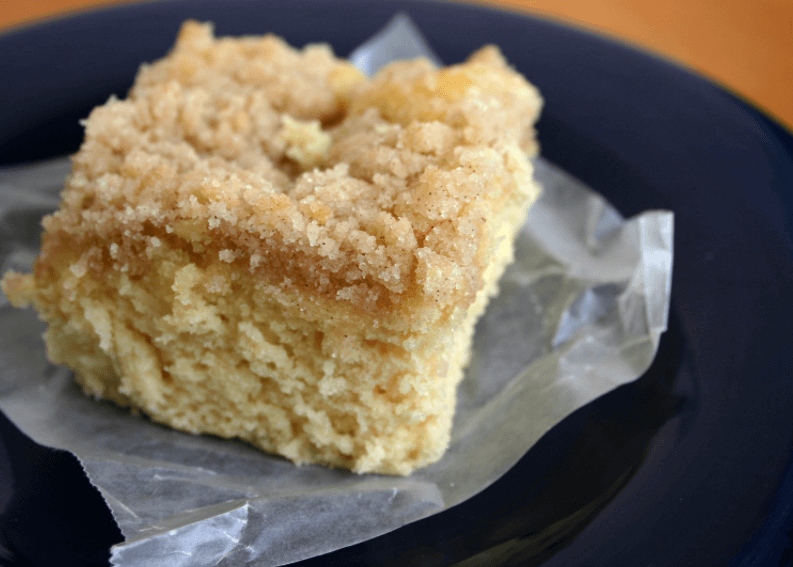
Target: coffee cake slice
[262, 243]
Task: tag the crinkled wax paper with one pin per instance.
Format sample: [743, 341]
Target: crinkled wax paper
[579, 313]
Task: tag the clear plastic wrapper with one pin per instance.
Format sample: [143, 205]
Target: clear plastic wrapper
[579, 313]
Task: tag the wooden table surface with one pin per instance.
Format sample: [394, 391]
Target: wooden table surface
[746, 45]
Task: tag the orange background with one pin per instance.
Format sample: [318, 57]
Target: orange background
[746, 45]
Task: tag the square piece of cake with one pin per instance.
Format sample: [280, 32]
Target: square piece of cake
[262, 243]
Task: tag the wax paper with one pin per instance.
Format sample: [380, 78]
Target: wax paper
[579, 313]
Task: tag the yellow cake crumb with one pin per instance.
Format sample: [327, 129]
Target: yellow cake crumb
[259, 242]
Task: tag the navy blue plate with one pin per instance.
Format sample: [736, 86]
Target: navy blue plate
[689, 465]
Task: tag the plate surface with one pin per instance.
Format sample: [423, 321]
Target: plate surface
[689, 465]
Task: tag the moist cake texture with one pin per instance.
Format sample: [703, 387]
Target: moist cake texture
[260, 242]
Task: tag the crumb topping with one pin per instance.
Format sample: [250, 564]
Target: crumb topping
[379, 192]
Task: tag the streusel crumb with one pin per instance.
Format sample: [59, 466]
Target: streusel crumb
[260, 242]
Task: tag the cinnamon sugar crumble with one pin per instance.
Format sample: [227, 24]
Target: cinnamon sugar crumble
[260, 242]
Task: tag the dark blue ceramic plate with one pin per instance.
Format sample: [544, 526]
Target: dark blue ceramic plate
[689, 465]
